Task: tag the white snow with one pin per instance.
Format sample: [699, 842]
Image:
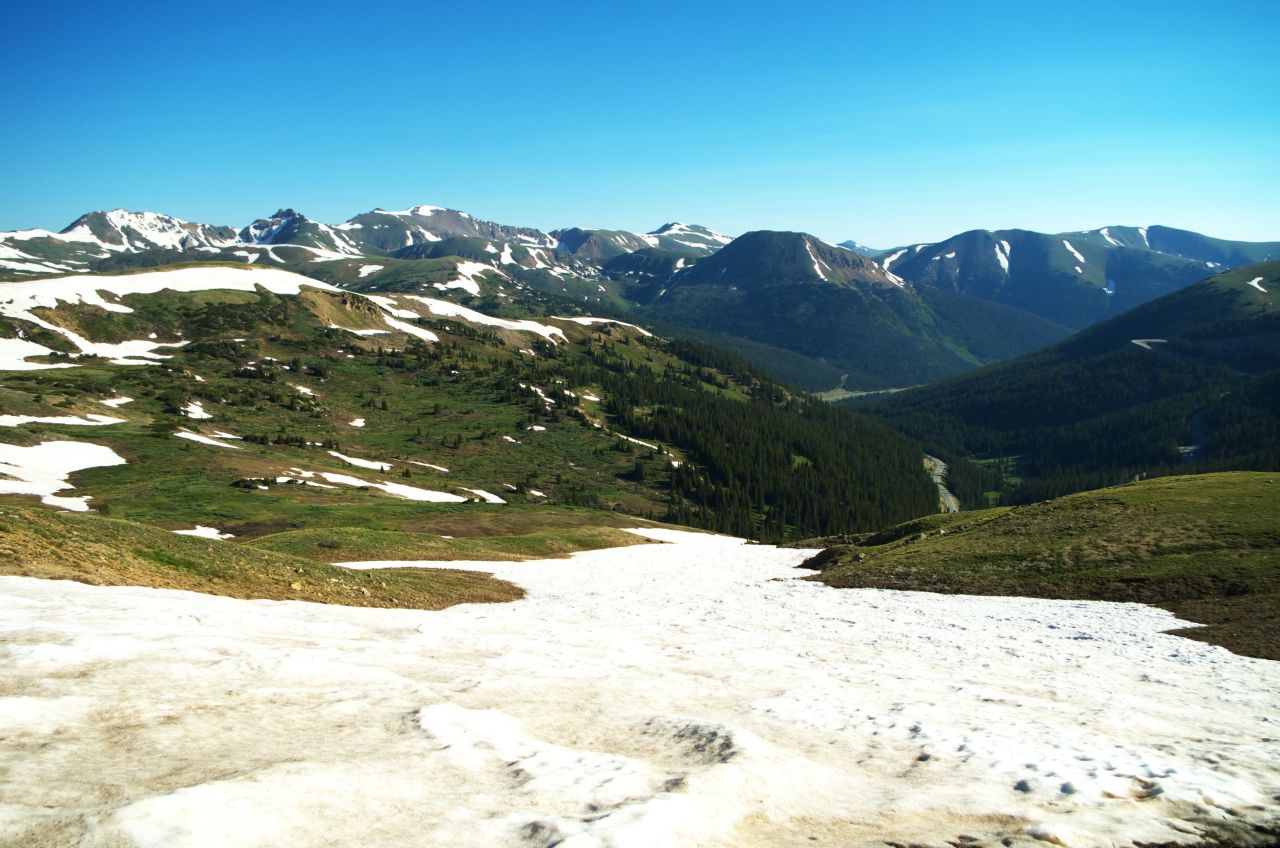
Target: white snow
[420, 211]
[390, 306]
[92, 419]
[368, 332]
[366, 270]
[204, 440]
[487, 497]
[362, 463]
[638, 442]
[1142, 231]
[1079, 270]
[1256, 282]
[468, 273]
[892, 258]
[447, 309]
[302, 390]
[509, 439]
[205, 533]
[590, 397]
[588, 321]
[1105, 231]
[43, 469]
[35, 267]
[656, 695]
[14, 353]
[195, 410]
[412, 493]
[817, 266]
[357, 422]
[536, 428]
[1146, 344]
[439, 468]
[1002, 255]
[1074, 252]
[412, 330]
[116, 402]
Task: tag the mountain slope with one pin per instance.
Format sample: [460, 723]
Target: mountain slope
[836, 307]
[273, 402]
[1202, 546]
[1186, 382]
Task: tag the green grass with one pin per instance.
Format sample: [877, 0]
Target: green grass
[43, 543]
[352, 543]
[1206, 547]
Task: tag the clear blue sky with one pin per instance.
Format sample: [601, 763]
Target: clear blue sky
[887, 122]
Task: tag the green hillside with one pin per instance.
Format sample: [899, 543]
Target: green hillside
[547, 415]
[1189, 382]
[1206, 547]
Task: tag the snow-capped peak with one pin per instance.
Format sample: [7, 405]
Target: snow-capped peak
[122, 230]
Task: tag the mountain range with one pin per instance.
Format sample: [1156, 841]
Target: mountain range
[823, 316]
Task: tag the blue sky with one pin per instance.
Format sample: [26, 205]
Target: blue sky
[888, 123]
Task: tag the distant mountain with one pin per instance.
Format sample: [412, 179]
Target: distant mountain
[120, 229]
[861, 248]
[99, 235]
[840, 309]
[289, 227]
[686, 239]
[383, 231]
[677, 236]
[1076, 278]
[1187, 382]
[600, 244]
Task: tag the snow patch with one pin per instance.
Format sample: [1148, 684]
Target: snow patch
[205, 533]
[487, 497]
[362, 463]
[588, 321]
[204, 440]
[195, 410]
[412, 493]
[92, 420]
[1074, 252]
[43, 469]
[447, 309]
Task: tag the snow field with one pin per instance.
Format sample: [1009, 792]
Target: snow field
[682, 694]
[18, 299]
